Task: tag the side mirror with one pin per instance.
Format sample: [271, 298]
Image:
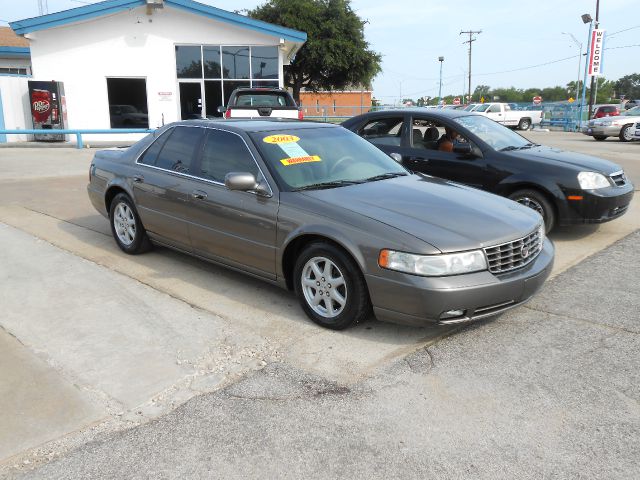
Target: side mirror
[222, 109]
[396, 156]
[245, 182]
[462, 148]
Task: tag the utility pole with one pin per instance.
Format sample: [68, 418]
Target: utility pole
[43, 7]
[593, 77]
[471, 33]
[440, 59]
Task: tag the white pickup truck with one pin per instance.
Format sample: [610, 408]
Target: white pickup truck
[502, 113]
[261, 102]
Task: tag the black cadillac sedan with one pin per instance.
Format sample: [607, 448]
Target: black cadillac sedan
[566, 188]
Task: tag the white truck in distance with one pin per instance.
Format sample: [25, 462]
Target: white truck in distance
[261, 102]
[502, 113]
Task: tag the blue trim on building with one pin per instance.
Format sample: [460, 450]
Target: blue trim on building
[73, 15]
[15, 52]
[238, 20]
[107, 7]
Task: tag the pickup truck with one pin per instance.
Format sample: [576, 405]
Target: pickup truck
[502, 113]
[261, 102]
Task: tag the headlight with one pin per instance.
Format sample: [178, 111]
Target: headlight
[592, 180]
[433, 265]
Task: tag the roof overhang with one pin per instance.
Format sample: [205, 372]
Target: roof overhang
[15, 52]
[108, 7]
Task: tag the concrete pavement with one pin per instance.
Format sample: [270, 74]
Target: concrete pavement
[130, 338]
[551, 390]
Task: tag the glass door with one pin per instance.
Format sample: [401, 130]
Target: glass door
[191, 100]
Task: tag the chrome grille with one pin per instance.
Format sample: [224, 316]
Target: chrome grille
[618, 178]
[516, 254]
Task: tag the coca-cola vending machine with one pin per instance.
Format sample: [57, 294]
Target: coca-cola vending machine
[48, 109]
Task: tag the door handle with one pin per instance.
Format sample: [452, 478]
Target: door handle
[418, 159]
[138, 179]
[198, 195]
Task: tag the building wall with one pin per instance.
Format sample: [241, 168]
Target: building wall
[15, 106]
[127, 44]
[339, 103]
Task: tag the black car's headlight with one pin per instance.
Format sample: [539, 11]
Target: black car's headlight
[433, 265]
[592, 180]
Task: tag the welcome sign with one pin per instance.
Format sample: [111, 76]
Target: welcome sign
[595, 56]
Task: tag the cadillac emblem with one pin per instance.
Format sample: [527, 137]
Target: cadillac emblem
[524, 253]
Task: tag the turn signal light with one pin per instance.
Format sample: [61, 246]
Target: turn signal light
[575, 197]
[227, 113]
[383, 258]
[300, 114]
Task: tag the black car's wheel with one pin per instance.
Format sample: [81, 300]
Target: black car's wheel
[126, 226]
[524, 124]
[600, 138]
[626, 134]
[330, 287]
[538, 202]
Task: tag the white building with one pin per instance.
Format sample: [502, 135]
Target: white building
[133, 63]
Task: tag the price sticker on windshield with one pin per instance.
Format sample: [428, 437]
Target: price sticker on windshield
[299, 160]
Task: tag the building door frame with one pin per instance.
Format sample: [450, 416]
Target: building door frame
[202, 99]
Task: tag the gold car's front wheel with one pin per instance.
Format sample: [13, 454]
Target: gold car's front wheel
[330, 286]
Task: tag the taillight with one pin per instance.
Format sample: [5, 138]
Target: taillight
[300, 114]
[227, 113]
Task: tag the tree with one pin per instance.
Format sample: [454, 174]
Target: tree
[629, 86]
[335, 55]
[481, 91]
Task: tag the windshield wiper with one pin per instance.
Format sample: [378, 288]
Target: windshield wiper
[323, 185]
[384, 176]
[508, 149]
[529, 145]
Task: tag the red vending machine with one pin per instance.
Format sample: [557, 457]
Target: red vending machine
[48, 109]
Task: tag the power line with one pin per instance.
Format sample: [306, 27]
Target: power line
[530, 66]
[620, 31]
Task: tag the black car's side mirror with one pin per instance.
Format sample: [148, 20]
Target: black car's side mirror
[222, 109]
[245, 182]
[462, 148]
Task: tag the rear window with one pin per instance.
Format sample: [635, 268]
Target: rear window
[263, 99]
[607, 109]
[179, 149]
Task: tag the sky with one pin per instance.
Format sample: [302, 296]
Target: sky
[517, 39]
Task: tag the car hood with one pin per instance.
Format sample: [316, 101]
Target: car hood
[579, 160]
[446, 215]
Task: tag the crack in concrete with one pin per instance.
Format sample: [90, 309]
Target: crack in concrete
[65, 221]
[584, 320]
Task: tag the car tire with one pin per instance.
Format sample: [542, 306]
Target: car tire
[524, 124]
[600, 138]
[336, 305]
[626, 134]
[537, 201]
[126, 227]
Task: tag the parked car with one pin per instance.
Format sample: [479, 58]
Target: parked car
[502, 113]
[316, 209]
[564, 187]
[632, 103]
[261, 102]
[636, 133]
[620, 126]
[606, 111]
[127, 116]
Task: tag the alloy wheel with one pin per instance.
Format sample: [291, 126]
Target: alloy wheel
[124, 223]
[324, 287]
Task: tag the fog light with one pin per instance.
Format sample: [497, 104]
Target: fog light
[452, 314]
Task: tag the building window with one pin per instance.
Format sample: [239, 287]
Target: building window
[128, 102]
[14, 71]
[221, 69]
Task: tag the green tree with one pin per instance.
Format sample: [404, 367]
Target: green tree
[629, 86]
[604, 93]
[481, 91]
[336, 54]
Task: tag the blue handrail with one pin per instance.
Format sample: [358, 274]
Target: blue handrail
[76, 132]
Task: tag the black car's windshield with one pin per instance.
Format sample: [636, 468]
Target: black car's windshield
[496, 135]
[315, 158]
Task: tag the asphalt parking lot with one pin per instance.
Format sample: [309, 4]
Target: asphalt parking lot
[101, 352]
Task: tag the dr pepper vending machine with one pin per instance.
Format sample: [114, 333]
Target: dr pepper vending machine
[48, 109]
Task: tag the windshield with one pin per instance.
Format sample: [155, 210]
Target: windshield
[310, 158]
[632, 112]
[481, 108]
[496, 135]
[258, 99]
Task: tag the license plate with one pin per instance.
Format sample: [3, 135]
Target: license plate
[637, 133]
